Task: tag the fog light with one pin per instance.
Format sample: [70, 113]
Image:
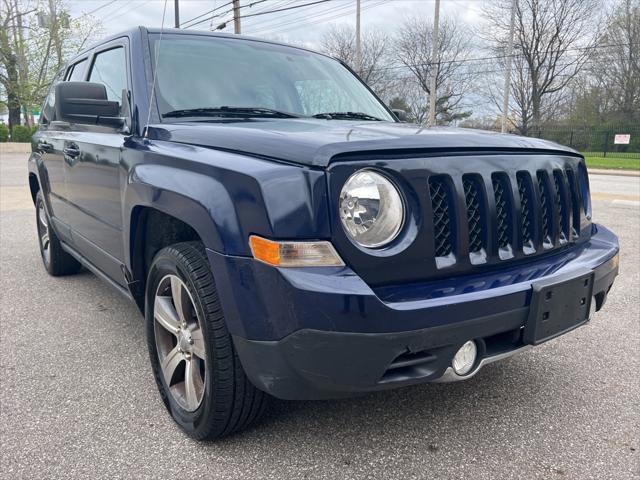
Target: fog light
[465, 358]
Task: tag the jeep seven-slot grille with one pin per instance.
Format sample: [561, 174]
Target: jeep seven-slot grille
[534, 211]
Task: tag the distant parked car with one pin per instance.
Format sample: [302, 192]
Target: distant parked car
[284, 234]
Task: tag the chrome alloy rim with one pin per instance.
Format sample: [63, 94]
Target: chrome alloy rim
[179, 342]
[43, 233]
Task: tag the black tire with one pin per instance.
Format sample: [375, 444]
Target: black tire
[56, 261]
[229, 402]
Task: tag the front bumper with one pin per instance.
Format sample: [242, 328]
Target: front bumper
[323, 333]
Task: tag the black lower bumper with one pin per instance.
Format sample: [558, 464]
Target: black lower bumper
[315, 364]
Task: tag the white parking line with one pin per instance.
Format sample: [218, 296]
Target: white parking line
[626, 203]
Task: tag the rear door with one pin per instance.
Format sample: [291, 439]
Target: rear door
[93, 173]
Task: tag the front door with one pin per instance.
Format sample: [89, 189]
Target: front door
[93, 174]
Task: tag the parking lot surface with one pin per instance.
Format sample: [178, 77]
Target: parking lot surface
[77, 398]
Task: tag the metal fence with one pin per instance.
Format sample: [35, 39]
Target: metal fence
[595, 141]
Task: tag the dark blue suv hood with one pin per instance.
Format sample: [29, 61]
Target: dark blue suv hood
[316, 142]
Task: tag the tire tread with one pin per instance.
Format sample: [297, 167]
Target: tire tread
[237, 402]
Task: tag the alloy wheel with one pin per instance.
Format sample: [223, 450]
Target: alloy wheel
[179, 342]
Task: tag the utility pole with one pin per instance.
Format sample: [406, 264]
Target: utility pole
[435, 66]
[22, 63]
[176, 13]
[507, 75]
[55, 34]
[358, 41]
[236, 17]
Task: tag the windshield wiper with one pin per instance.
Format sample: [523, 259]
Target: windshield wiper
[225, 111]
[347, 116]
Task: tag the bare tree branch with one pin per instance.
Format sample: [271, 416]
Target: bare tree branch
[554, 41]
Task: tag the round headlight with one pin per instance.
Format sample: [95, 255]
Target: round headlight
[371, 209]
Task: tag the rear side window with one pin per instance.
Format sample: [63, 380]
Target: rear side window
[77, 72]
[110, 69]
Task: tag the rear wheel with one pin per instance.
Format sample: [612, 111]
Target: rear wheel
[192, 355]
[56, 261]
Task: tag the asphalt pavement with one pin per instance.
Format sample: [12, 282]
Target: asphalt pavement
[77, 398]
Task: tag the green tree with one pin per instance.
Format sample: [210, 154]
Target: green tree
[36, 38]
[4, 133]
[20, 133]
[615, 71]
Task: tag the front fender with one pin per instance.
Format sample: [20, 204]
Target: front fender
[36, 168]
[226, 197]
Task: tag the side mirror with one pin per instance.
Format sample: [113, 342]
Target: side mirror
[86, 103]
[400, 114]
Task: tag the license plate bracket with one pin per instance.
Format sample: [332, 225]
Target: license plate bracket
[557, 306]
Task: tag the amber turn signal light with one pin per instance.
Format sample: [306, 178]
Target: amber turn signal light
[294, 254]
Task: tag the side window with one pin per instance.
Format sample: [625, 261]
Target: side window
[110, 69]
[77, 74]
[47, 114]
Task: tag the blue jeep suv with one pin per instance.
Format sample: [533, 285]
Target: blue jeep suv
[284, 234]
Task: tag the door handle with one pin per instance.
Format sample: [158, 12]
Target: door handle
[44, 146]
[71, 151]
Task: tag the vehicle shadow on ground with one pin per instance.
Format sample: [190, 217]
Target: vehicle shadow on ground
[427, 411]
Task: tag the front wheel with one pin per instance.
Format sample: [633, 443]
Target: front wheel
[194, 362]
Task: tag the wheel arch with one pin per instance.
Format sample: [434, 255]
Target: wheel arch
[151, 231]
[34, 186]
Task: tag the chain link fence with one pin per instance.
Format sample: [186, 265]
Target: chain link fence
[595, 141]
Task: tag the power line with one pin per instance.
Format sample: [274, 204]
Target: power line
[270, 23]
[261, 21]
[276, 23]
[314, 18]
[249, 5]
[205, 13]
[99, 8]
[223, 24]
[127, 10]
[498, 57]
[284, 8]
[501, 70]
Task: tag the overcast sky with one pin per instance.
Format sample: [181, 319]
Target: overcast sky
[301, 26]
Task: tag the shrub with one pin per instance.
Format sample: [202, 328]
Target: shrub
[21, 133]
[4, 133]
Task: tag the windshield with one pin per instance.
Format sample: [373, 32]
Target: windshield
[203, 72]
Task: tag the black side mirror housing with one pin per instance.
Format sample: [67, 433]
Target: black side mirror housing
[86, 103]
[401, 115]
